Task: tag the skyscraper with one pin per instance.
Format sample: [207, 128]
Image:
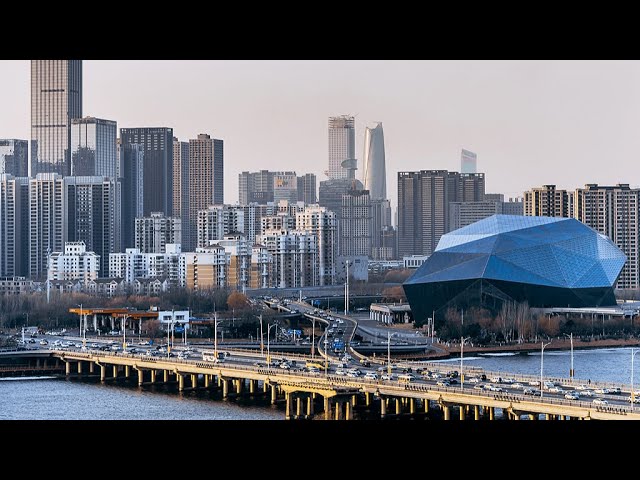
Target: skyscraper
[468, 162]
[56, 98]
[375, 174]
[342, 146]
[92, 215]
[285, 187]
[355, 223]
[131, 175]
[155, 232]
[322, 223]
[14, 158]
[307, 190]
[205, 182]
[547, 201]
[157, 143]
[93, 147]
[14, 226]
[181, 186]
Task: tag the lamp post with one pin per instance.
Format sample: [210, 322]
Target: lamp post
[124, 332]
[542, 365]
[80, 333]
[268, 344]
[389, 335]
[633, 396]
[215, 335]
[261, 336]
[462, 340]
[313, 339]
[326, 357]
[571, 371]
[346, 291]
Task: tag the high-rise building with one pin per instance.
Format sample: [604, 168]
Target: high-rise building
[285, 187]
[92, 215]
[380, 219]
[132, 265]
[342, 147]
[205, 182]
[331, 191]
[322, 223]
[93, 147]
[462, 214]
[514, 206]
[248, 265]
[546, 201]
[74, 263]
[355, 224]
[468, 162]
[56, 98]
[255, 187]
[216, 221]
[294, 255]
[153, 233]
[423, 206]
[131, 175]
[307, 189]
[206, 268]
[14, 226]
[157, 144]
[375, 173]
[14, 157]
[47, 221]
[181, 182]
[613, 211]
[387, 248]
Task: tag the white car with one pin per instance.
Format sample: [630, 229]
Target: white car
[371, 376]
[571, 396]
[599, 401]
[387, 376]
[340, 372]
[474, 380]
[517, 385]
[556, 390]
[582, 387]
[587, 393]
[601, 391]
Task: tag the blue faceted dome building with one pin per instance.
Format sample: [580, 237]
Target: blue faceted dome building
[546, 261]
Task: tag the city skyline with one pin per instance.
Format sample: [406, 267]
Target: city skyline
[530, 122]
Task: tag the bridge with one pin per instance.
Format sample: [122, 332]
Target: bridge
[305, 395]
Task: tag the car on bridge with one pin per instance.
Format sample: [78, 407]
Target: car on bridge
[600, 401]
[532, 391]
[572, 396]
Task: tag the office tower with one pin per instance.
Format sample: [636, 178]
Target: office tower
[514, 206]
[375, 173]
[156, 231]
[294, 255]
[331, 191]
[494, 197]
[323, 224]
[462, 214]
[181, 182]
[307, 189]
[255, 187]
[14, 157]
[613, 211]
[380, 219]
[56, 98]
[14, 226]
[387, 248]
[423, 206]
[285, 187]
[157, 144]
[93, 215]
[342, 147]
[355, 224]
[468, 162]
[131, 175]
[93, 147]
[74, 263]
[205, 183]
[546, 201]
[47, 221]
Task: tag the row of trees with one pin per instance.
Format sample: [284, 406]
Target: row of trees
[517, 323]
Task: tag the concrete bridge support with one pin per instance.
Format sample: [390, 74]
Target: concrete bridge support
[225, 388]
[103, 373]
[533, 416]
[309, 406]
[288, 406]
[398, 405]
[338, 411]
[265, 387]
[348, 410]
[462, 412]
[115, 371]
[153, 375]
[327, 408]
[239, 383]
[127, 371]
[180, 382]
[476, 412]
[206, 381]
[274, 395]
[298, 407]
[446, 411]
[140, 377]
[492, 413]
[165, 376]
[383, 407]
[67, 368]
[194, 381]
[426, 405]
[80, 367]
[367, 399]
[252, 386]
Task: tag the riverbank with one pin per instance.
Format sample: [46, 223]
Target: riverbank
[556, 344]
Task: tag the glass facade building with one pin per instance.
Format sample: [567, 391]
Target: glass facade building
[56, 98]
[545, 261]
[14, 158]
[93, 147]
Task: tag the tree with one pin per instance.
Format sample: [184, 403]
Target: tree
[237, 301]
[152, 327]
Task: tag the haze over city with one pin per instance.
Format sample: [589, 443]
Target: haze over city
[530, 122]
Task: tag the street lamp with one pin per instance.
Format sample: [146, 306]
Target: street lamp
[261, 337]
[462, 340]
[346, 291]
[124, 332]
[571, 371]
[313, 339]
[541, 366]
[633, 397]
[80, 332]
[268, 344]
[389, 335]
[215, 335]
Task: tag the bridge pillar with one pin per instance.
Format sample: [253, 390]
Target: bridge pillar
[492, 413]
[127, 371]
[153, 375]
[367, 399]
[194, 381]
[79, 367]
[547, 416]
[560, 417]
[462, 413]
[515, 415]
[383, 407]
[348, 411]
[309, 406]
[412, 406]
[225, 388]
[252, 387]
[67, 368]
[91, 367]
[103, 373]
[426, 405]
[239, 382]
[298, 407]
[44, 363]
[219, 381]
[446, 410]
[327, 408]
[533, 416]
[398, 405]
[354, 398]
[338, 413]
[206, 381]
[265, 387]
[165, 375]
[274, 394]
[140, 377]
[115, 371]
[180, 382]
[287, 409]
[37, 362]
[476, 412]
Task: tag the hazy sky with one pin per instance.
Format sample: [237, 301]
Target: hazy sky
[530, 122]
